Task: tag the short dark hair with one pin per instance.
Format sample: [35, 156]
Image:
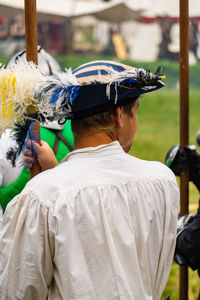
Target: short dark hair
[101, 121]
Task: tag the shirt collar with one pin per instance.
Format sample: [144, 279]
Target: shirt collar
[101, 150]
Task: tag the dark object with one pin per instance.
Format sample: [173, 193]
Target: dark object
[188, 244]
[188, 229]
[194, 165]
[198, 138]
[178, 161]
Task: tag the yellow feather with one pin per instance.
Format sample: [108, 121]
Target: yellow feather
[7, 91]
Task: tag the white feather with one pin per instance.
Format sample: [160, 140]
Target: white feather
[18, 84]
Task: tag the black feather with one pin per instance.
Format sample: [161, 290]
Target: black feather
[160, 71]
[19, 134]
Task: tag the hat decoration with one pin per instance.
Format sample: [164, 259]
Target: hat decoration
[94, 86]
[17, 88]
[26, 95]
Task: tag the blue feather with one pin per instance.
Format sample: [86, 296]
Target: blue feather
[55, 96]
[128, 81]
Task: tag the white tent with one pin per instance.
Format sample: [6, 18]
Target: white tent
[147, 48]
[156, 8]
[115, 11]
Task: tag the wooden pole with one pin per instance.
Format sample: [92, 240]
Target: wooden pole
[32, 55]
[31, 30]
[184, 123]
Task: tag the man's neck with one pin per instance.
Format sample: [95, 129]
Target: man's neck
[91, 140]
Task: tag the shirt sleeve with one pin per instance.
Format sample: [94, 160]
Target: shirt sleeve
[26, 249]
[169, 195]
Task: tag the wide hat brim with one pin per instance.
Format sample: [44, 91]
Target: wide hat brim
[95, 87]
[92, 99]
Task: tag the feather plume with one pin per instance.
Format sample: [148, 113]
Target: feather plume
[56, 94]
[17, 88]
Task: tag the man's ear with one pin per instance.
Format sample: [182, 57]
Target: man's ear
[118, 117]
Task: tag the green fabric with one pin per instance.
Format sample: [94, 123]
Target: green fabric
[9, 192]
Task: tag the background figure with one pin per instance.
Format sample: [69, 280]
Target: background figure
[59, 138]
[57, 36]
[17, 35]
[166, 27]
[4, 35]
[194, 38]
[44, 35]
[188, 228]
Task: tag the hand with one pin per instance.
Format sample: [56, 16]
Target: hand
[42, 152]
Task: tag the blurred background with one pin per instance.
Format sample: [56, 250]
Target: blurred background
[145, 30]
[141, 33]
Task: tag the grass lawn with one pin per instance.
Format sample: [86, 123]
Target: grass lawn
[158, 131]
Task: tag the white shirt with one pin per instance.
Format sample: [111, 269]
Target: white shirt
[101, 225]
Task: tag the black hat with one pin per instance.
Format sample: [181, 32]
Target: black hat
[95, 86]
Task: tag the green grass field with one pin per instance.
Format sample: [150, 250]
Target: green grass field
[158, 130]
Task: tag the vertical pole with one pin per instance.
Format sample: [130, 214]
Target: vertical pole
[31, 30]
[32, 55]
[184, 123]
